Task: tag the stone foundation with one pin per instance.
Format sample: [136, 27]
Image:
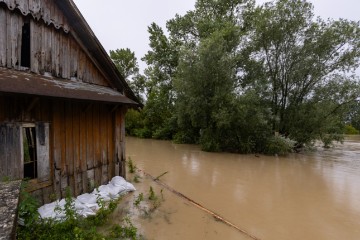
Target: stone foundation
[9, 201]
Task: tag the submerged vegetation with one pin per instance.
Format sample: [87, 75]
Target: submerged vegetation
[72, 226]
[230, 73]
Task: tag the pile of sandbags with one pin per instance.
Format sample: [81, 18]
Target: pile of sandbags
[87, 204]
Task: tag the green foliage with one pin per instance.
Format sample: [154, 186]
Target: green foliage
[328, 139]
[350, 130]
[136, 179]
[28, 207]
[125, 61]
[6, 179]
[127, 231]
[139, 199]
[131, 165]
[152, 196]
[73, 226]
[279, 145]
[230, 73]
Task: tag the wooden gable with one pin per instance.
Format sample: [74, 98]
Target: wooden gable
[53, 48]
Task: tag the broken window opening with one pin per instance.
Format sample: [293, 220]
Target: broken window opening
[25, 45]
[30, 156]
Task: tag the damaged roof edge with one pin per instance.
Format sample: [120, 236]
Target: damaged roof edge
[90, 41]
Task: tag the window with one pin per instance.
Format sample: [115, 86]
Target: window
[29, 151]
[25, 45]
[24, 151]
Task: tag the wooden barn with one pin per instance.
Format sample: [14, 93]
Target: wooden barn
[62, 100]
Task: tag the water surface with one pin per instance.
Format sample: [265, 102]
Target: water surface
[315, 195]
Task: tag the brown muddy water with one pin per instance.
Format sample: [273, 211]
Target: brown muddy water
[314, 195]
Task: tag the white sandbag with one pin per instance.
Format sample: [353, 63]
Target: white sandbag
[82, 209]
[87, 204]
[90, 200]
[129, 187]
[53, 210]
[102, 194]
[118, 181]
[125, 186]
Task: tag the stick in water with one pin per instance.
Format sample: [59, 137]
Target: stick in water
[198, 205]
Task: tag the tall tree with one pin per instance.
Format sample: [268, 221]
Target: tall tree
[294, 58]
[126, 62]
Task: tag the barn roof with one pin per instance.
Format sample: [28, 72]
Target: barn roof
[77, 26]
[12, 81]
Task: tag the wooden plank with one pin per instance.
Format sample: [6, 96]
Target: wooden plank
[81, 66]
[44, 42]
[57, 149]
[43, 151]
[111, 144]
[19, 40]
[8, 40]
[34, 42]
[83, 145]
[3, 37]
[69, 144]
[97, 152]
[123, 156]
[103, 143]
[47, 47]
[76, 149]
[90, 139]
[10, 148]
[17, 156]
[64, 170]
[14, 154]
[14, 41]
[91, 179]
[66, 56]
[56, 54]
[74, 59]
[117, 142]
[62, 52]
[57, 183]
[3, 150]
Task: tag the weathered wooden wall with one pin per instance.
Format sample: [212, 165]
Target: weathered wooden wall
[52, 50]
[86, 140]
[43, 10]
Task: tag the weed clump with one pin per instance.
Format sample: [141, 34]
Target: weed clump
[131, 165]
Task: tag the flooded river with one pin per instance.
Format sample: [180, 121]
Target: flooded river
[315, 195]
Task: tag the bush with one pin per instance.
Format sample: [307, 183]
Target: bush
[279, 145]
[328, 139]
[350, 130]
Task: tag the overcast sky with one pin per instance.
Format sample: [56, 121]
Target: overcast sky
[123, 23]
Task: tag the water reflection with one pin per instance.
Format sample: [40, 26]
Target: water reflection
[303, 196]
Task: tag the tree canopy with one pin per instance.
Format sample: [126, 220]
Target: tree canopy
[235, 76]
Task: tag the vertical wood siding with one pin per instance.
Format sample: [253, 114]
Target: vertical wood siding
[52, 50]
[86, 142]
